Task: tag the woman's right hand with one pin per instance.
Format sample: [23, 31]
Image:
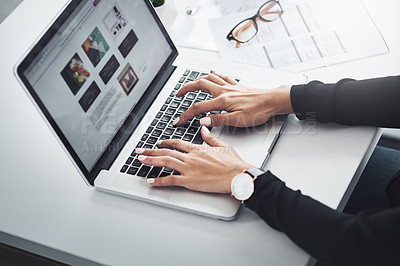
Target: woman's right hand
[246, 107]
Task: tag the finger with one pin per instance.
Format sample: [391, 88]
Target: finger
[225, 78]
[178, 144]
[211, 139]
[199, 84]
[198, 108]
[228, 119]
[215, 79]
[161, 152]
[171, 180]
[163, 161]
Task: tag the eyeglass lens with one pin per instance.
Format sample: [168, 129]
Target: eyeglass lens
[247, 29]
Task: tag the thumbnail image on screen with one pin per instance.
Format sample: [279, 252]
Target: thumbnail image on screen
[75, 74]
[95, 46]
[128, 79]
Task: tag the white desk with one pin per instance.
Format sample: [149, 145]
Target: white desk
[46, 208]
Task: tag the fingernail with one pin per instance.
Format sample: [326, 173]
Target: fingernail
[212, 71]
[142, 158]
[205, 121]
[176, 121]
[159, 142]
[175, 93]
[139, 150]
[205, 130]
[150, 180]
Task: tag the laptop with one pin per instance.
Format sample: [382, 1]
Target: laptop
[102, 75]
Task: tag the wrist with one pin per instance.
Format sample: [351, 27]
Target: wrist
[283, 104]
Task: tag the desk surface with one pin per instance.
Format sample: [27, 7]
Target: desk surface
[46, 208]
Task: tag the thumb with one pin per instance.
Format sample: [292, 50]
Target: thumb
[210, 139]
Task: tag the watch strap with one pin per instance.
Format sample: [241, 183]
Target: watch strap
[255, 172]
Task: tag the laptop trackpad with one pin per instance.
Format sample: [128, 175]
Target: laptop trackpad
[252, 144]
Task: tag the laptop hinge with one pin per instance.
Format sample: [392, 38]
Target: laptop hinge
[130, 128]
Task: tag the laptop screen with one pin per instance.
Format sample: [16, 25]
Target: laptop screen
[91, 73]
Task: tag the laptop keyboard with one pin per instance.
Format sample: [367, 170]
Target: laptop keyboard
[161, 128]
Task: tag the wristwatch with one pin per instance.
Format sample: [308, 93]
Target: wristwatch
[242, 185]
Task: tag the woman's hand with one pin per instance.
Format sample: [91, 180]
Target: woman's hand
[246, 107]
[201, 167]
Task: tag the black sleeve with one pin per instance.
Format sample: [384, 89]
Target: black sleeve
[374, 102]
[369, 238]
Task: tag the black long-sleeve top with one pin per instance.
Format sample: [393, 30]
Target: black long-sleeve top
[369, 238]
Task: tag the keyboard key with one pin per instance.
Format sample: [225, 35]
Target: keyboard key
[188, 137]
[129, 161]
[154, 122]
[176, 173]
[164, 174]
[136, 163]
[186, 73]
[124, 168]
[156, 133]
[149, 129]
[148, 146]
[200, 116]
[140, 144]
[152, 140]
[161, 125]
[185, 125]
[176, 137]
[192, 130]
[168, 170]
[164, 137]
[186, 103]
[193, 75]
[144, 137]
[133, 154]
[172, 94]
[198, 139]
[132, 170]
[169, 131]
[209, 97]
[180, 131]
[166, 118]
[159, 114]
[182, 109]
[215, 112]
[196, 123]
[182, 79]
[154, 172]
[170, 111]
[169, 99]
[174, 104]
[202, 96]
[190, 96]
[143, 170]
[177, 87]
[164, 107]
[179, 99]
[204, 74]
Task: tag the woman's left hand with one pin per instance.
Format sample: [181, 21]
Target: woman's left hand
[201, 167]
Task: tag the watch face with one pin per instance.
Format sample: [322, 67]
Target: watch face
[242, 186]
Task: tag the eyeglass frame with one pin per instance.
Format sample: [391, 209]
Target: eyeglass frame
[254, 18]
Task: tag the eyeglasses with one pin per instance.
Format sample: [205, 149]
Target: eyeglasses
[247, 29]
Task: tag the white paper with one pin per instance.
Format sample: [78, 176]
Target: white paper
[194, 30]
[310, 34]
